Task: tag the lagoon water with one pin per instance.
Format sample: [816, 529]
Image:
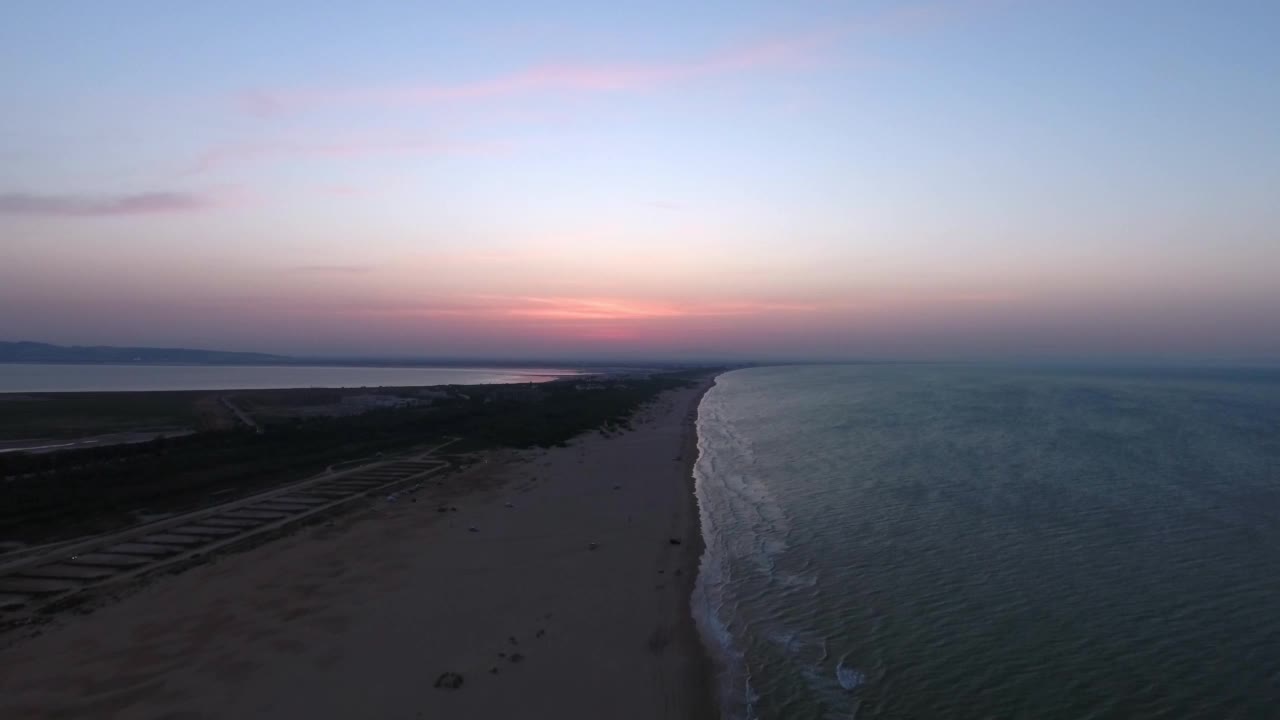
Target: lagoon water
[18, 378]
[963, 542]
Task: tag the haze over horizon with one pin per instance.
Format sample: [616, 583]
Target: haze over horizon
[813, 179]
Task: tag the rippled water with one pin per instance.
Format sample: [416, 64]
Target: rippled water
[959, 542]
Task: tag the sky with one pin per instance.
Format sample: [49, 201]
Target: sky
[808, 179]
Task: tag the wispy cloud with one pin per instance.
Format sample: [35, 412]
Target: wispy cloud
[557, 308]
[339, 148]
[102, 205]
[585, 310]
[794, 51]
[333, 269]
[789, 52]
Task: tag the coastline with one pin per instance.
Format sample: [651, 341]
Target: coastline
[44, 378]
[702, 676]
[556, 589]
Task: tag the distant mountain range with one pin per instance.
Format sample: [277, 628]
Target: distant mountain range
[34, 352]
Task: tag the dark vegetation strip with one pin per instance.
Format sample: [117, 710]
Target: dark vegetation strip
[75, 414]
[55, 495]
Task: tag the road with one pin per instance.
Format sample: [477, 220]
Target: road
[48, 445]
[244, 416]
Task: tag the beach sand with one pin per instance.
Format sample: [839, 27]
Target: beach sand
[359, 618]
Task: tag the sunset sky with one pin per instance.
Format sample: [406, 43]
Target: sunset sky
[799, 179]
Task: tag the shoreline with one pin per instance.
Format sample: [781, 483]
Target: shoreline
[703, 678]
[556, 588]
[40, 378]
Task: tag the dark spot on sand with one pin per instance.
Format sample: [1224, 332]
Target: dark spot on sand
[658, 640]
[513, 640]
[516, 657]
[449, 681]
[674, 541]
[540, 633]
[493, 670]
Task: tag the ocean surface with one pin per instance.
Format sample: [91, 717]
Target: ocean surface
[17, 377]
[958, 542]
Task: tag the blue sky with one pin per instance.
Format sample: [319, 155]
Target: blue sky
[803, 179]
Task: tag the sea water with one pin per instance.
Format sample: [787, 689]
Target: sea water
[31, 377]
[925, 541]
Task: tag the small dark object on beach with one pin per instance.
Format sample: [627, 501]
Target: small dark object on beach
[679, 572]
[473, 528]
[662, 572]
[493, 670]
[511, 505]
[513, 640]
[453, 508]
[502, 655]
[449, 681]
[516, 657]
[617, 487]
[540, 633]
[592, 546]
[674, 541]
[442, 509]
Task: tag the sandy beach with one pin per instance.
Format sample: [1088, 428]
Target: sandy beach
[559, 588]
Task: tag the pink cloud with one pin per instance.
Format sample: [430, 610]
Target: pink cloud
[797, 51]
[560, 319]
[101, 205]
[585, 310]
[554, 308]
[334, 269]
[791, 52]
